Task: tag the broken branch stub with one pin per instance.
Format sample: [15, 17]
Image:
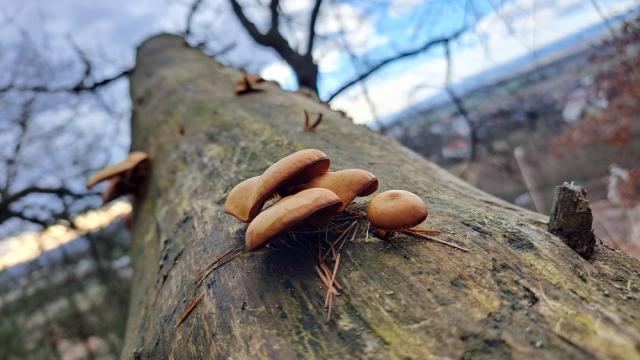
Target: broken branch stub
[571, 219]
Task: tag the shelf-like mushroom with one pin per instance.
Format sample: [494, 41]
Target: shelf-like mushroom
[347, 184]
[396, 210]
[126, 177]
[289, 211]
[246, 199]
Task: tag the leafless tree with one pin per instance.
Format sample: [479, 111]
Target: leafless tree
[49, 145]
[302, 61]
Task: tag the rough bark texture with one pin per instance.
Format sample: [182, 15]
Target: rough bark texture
[571, 219]
[520, 291]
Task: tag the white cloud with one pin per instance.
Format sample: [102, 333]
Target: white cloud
[280, 72]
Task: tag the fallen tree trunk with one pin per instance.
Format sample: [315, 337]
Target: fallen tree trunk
[519, 292]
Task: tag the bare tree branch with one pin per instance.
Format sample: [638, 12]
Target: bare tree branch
[405, 54]
[76, 89]
[7, 213]
[303, 65]
[312, 26]
[59, 191]
[275, 15]
[195, 6]
[251, 28]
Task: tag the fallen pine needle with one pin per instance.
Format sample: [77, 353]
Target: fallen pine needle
[192, 305]
[424, 231]
[427, 237]
[345, 240]
[329, 299]
[327, 273]
[219, 261]
[325, 280]
[340, 238]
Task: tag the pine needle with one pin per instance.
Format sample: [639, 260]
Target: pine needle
[329, 298]
[192, 305]
[424, 231]
[219, 261]
[427, 237]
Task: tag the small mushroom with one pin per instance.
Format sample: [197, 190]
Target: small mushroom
[396, 210]
[246, 199]
[308, 126]
[125, 177]
[347, 184]
[247, 84]
[289, 211]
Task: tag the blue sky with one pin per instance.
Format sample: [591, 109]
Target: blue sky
[500, 31]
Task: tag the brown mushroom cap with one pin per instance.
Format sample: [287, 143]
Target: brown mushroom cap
[287, 212]
[246, 199]
[396, 210]
[347, 184]
[129, 163]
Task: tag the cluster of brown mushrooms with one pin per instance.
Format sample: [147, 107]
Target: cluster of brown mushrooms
[310, 193]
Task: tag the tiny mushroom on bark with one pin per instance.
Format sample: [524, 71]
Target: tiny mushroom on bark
[246, 199]
[347, 184]
[396, 210]
[247, 83]
[126, 177]
[289, 211]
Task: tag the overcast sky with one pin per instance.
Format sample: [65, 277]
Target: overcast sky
[109, 30]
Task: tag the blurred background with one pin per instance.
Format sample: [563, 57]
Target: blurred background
[514, 96]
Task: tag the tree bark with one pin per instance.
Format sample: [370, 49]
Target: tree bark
[520, 291]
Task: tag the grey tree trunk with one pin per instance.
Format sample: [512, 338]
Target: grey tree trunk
[520, 291]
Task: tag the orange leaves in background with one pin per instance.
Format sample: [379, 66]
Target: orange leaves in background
[618, 82]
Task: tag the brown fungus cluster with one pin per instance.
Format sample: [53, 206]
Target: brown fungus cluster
[127, 177]
[312, 194]
[307, 192]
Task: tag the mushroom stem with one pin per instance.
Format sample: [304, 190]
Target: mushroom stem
[383, 234]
